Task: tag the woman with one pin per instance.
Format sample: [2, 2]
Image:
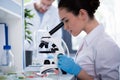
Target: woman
[98, 56]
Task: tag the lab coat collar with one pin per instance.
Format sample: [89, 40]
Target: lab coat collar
[46, 18]
[95, 32]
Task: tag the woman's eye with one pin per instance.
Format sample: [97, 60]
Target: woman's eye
[66, 20]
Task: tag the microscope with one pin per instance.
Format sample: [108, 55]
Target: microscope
[52, 47]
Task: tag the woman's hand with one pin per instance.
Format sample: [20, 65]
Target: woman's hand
[68, 65]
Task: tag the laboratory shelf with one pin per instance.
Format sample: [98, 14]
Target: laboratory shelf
[10, 6]
[11, 15]
[9, 10]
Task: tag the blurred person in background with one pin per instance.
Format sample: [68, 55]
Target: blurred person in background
[45, 17]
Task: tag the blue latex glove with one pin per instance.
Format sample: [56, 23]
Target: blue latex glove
[68, 65]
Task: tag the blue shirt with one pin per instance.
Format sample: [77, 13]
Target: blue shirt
[40, 15]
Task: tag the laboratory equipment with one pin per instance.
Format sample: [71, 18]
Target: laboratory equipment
[7, 61]
[51, 47]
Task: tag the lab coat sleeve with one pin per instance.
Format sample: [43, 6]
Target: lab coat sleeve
[107, 61]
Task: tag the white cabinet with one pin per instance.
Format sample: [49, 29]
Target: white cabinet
[11, 14]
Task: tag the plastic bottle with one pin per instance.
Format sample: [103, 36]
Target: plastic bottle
[7, 62]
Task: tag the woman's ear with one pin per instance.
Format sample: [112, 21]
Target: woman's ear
[83, 14]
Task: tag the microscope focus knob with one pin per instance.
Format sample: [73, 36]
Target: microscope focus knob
[46, 62]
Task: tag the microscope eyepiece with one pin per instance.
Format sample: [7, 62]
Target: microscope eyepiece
[56, 28]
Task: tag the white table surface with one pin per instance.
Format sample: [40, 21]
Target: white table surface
[53, 77]
[50, 77]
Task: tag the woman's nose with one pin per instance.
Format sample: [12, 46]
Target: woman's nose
[65, 27]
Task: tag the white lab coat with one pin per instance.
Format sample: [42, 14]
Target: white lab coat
[49, 21]
[100, 56]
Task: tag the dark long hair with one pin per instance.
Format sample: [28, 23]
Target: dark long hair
[75, 5]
